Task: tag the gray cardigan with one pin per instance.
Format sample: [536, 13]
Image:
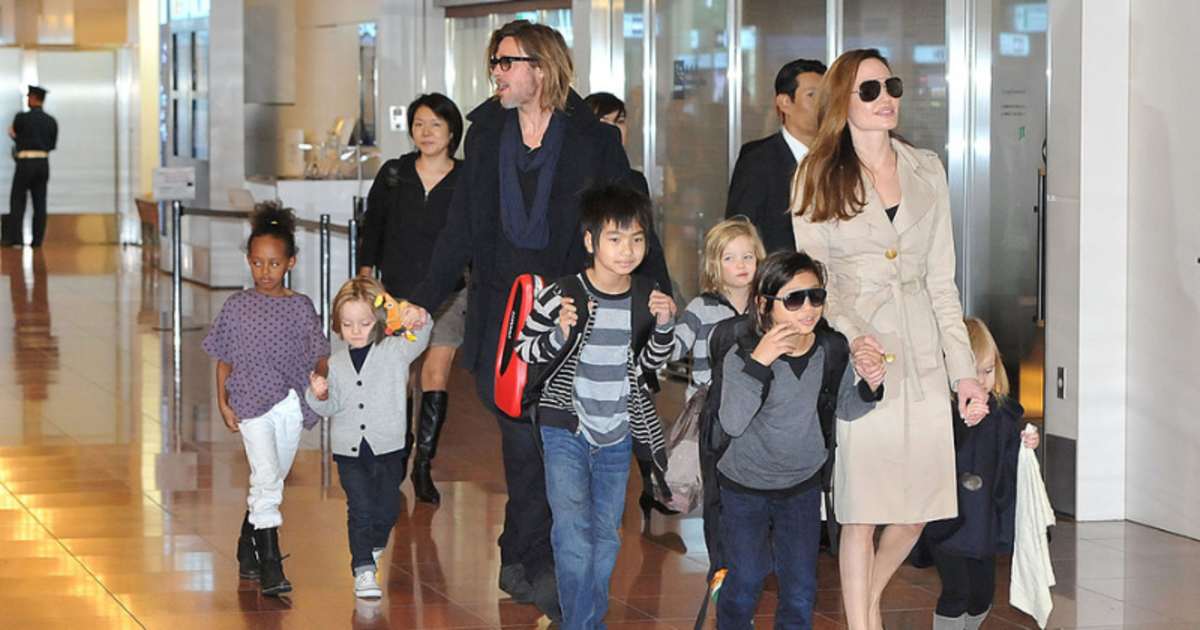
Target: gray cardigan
[370, 404]
[772, 417]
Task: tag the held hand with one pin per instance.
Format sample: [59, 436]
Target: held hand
[976, 412]
[970, 391]
[568, 316]
[230, 418]
[778, 341]
[319, 386]
[869, 360]
[662, 307]
[413, 317]
[1030, 438]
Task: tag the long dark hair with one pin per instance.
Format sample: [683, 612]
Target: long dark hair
[828, 184]
[270, 218]
[773, 273]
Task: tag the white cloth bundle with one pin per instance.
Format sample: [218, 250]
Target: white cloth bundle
[1032, 573]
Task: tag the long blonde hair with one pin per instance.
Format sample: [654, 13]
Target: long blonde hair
[548, 47]
[362, 289]
[715, 242]
[982, 344]
[828, 184]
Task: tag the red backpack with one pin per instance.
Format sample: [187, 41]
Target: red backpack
[511, 373]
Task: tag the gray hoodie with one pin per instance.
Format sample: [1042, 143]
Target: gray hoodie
[771, 415]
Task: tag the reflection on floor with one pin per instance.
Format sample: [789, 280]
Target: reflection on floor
[111, 517]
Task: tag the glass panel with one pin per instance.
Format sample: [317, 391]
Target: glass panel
[1002, 235]
[774, 32]
[200, 62]
[200, 128]
[634, 30]
[367, 90]
[692, 136]
[912, 35]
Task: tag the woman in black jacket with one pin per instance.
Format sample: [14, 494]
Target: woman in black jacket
[406, 210]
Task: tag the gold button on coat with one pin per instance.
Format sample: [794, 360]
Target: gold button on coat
[891, 254]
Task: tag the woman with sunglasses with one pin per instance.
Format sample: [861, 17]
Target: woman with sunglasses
[876, 211]
[770, 383]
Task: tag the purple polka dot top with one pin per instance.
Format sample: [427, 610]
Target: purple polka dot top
[272, 344]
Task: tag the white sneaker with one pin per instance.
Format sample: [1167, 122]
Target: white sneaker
[366, 586]
[377, 554]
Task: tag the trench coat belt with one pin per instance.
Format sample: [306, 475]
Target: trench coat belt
[899, 292]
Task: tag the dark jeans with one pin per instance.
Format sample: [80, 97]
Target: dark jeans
[31, 176]
[761, 533]
[525, 539]
[372, 485]
[968, 584]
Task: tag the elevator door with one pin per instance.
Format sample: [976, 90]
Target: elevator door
[1001, 222]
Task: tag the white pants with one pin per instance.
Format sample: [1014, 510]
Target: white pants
[271, 441]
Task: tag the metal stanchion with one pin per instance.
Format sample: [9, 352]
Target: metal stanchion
[352, 246]
[325, 291]
[177, 317]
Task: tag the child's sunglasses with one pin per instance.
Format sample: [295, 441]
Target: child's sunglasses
[795, 300]
[870, 90]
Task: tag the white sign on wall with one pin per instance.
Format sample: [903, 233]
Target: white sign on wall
[175, 183]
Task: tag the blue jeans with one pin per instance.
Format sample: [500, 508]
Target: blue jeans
[760, 534]
[586, 488]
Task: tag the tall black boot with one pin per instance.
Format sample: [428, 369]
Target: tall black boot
[247, 557]
[433, 417]
[272, 581]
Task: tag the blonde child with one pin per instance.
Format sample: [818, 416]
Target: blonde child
[365, 395]
[732, 251]
[266, 341]
[965, 548]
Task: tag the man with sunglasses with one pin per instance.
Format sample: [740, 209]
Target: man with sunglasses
[762, 178]
[531, 151]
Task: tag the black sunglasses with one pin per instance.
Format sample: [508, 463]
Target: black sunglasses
[794, 300]
[870, 90]
[506, 62]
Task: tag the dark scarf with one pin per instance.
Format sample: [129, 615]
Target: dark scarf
[528, 228]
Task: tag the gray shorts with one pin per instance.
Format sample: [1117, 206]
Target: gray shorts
[450, 321]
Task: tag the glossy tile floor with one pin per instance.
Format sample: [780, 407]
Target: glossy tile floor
[113, 516]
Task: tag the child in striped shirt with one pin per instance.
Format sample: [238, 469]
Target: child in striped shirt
[600, 334]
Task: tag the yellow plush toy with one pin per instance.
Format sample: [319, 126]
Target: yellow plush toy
[392, 307]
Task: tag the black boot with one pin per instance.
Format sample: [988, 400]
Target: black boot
[272, 581]
[429, 427]
[247, 557]
[647, 501]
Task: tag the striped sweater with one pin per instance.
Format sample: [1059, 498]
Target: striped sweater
[541, 342]
[703, 314]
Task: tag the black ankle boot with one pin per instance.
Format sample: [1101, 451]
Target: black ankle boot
[429, 428]
[272, 581]
[247, 557]
[647, 501]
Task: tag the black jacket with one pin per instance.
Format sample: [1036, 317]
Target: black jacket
[592, 154]
[36, 130]
[761, 189]
[402, 224]
[986, 520]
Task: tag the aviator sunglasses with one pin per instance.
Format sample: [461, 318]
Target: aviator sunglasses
[506, 62]
[795, 300]
[870, 90]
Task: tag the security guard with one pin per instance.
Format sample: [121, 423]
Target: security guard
[36, 134]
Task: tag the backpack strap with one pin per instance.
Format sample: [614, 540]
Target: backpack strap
[572, 287]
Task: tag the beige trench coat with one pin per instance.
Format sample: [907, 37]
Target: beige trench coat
[895, 281]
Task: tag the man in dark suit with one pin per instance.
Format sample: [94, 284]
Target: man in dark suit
[36, 134]
[762, 179]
